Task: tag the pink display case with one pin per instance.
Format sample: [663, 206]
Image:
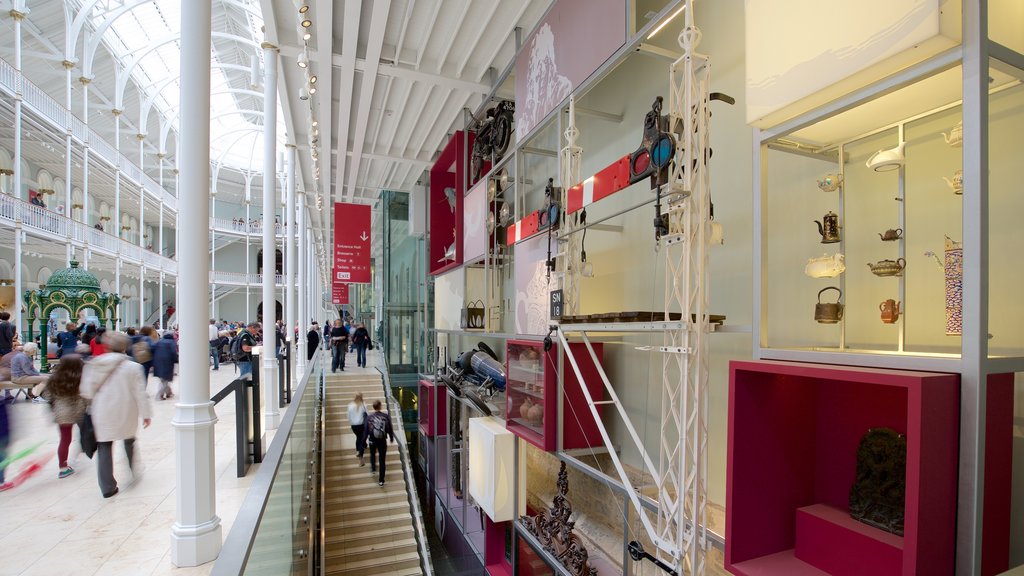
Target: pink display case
[531, 410]
[432, 394]
[794, 429]
[497, 548]
[446, 222]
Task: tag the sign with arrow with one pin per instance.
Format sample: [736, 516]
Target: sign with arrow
[352, 242]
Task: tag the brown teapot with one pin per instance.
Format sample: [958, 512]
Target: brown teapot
[890, 310]
[888, 267]
[891, 235]
[829, 313]
[829, 228]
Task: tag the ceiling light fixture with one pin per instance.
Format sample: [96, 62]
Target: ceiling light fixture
[312, 90]
[302, 60]
[312, 79]
[303, 93]
[304, 9]
[307, 35]
[307, 23]
[665, 23]
[315, 123]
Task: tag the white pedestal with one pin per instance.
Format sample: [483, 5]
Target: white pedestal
[196, 534]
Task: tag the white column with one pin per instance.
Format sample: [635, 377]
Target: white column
[196, 533]
[119, 322]
[289, 230]
[18, 288]
[213, 254]
[303, 289]
[271, 413]
[68, 65]
[142, 297]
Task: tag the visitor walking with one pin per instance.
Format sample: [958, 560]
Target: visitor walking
[215, 344]
[8, 334]
[339, 346]
[357, 420]
[67, 405]
[165, 356]
[312, 340]
[361, 340]
[67, 341]
[378, 430]
[117, 388]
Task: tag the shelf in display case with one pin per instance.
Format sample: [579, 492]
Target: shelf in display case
[532, 410]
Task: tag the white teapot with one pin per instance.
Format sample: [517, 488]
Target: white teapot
[955, 138]
[957, 183]
[826, 266]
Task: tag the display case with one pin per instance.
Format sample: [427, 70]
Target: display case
[532, 409]
[431, 398]
[794, 430]
[447, 191]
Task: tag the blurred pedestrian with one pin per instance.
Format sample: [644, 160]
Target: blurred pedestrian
[67, 404]
[117, 388]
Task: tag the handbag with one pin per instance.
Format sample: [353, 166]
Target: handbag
[473, 315]
[369, 344]
[87, 434]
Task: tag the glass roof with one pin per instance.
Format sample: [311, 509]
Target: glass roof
[236, 112]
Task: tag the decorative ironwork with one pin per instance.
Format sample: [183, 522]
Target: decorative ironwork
[878, 495]
[554, 530]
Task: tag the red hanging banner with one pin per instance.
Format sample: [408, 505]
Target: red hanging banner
[351, 243]
[339, 292]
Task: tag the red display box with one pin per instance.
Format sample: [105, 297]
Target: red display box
[497, 547]
[433, 394]
[445, 223]
[794, 429]
[531, 410]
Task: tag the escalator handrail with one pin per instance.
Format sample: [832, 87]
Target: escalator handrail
[410, 482]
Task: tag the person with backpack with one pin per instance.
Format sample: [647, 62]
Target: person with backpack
[378, 430]
[68, 341]
[142, 349]
[357, 420]
[165, 356]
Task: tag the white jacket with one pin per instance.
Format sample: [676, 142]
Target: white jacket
[356, 413]
[116, 385]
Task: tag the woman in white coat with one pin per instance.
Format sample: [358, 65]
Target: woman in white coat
[116, 385]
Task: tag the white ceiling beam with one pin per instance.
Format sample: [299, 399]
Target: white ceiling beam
[378, 24]
[405, 26]
[349, 45]
[398, 120]
[436, 115]
[395, 71]
[391, 158]
[510, 25]
[426, 37]
[451, 37]
[476, 39]
[383, 112]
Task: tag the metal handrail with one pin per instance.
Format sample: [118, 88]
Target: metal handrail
[239, 544]
[411, 493]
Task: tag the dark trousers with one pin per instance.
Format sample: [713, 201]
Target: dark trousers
[360, 431]
[337, 357]
[361, 355]
[105, 463]
[378, 447]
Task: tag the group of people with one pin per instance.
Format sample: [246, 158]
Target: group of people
[340, 339]
[99, 386]
[372, 430]
[253, 224]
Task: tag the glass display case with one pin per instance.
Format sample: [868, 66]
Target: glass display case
[863, 220]
[532, 408]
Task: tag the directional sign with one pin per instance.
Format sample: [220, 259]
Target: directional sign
[339, 292]
[352, 242]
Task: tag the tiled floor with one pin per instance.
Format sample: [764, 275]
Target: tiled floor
[64, 526]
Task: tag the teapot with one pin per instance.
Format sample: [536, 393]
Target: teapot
[891, 235]
[829, 313]
[957, 183]
[826, 266]
[890, 310]
[831, 182]
[885, 160]
[888, 267]
[955, 138]
[830, 229]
